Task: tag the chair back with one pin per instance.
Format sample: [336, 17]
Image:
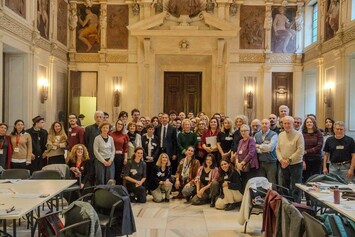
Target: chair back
[104, 199]
[63, 169]
[314, 228]
[15, 174]
[46, 174]
[74, 216]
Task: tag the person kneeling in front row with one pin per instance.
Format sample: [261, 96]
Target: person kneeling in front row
[231, 186]
[161, 179]
[135, 173]
[206, 182]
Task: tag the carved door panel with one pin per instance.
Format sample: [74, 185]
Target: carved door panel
[282, 86]
[182, 91]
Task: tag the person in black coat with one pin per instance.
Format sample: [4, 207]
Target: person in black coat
[168, 140]
[150, 144]
[39, 140]
[161, 181]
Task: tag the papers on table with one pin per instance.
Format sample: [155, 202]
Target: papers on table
[331, 199]
[27, 195]
[13, 181]
[3, 212]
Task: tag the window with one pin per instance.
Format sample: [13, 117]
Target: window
[353, 10]
[314, 22]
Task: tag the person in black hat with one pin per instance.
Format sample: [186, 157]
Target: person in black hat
[39, 139]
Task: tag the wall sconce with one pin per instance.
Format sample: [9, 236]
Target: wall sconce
[328, 93]
[43, 89]
[250, 98]
[117, 91]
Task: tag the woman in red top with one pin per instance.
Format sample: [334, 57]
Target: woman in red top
[120, 139]
[209, 139]
[78, 162]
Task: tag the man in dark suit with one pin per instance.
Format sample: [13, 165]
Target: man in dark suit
[168, 140]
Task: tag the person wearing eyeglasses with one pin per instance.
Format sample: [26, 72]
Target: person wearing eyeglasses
[246, 160]
[298, 124]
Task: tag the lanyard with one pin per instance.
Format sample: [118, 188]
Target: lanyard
[17, 140]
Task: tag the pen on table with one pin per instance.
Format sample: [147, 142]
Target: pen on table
[10, 209]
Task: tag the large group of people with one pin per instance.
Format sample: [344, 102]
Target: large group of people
[206, 160]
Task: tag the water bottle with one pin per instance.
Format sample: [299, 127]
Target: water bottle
[336, 195]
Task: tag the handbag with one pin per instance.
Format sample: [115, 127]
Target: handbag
[246, 167]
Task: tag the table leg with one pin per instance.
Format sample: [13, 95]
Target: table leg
[4, 228]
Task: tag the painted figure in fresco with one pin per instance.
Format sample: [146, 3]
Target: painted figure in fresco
[184, 7]
[282, 29]
[89, 34]
[42, 18]
[333, 15]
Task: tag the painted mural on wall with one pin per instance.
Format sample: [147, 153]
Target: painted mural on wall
[43, 18]
[18, 6]
[184, 7]
[62, 26]
[88, 30]
[117, 22]
[252, 33]
[283, 34]
[331, 19]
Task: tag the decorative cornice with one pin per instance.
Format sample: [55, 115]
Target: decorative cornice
[87, 57]
[12, 26]
[282, 58]
[116, 58]
[252, 58]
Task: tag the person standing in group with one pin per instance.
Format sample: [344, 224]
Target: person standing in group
[104, 150]
[150, 144]
[313, 143]
[91, 132]
[5, 147]
[135, 173]
[266, 141]
[237, 136]
[134, 139]
[75, 132]
[39, 140]
[340, 150]
[21, 143]
[290, 150]
[186, 138]
[246, 159]
[209, 138]
[56, 144]
[161, 182]
[168, 141]
[225, 139]
[123, 116]
[120, 139]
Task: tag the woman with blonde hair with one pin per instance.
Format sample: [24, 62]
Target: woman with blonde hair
[56, 144]
[161, 179]
[78, 162]
[225, 139]
[186, 138]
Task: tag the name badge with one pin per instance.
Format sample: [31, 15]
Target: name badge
[229, 138]
[133, 171]
[73, 134]
[198, 139]
[159, 174]
[1, 151]
[340, 147]
[226, 177]
[39, 138]
[119, 152]
[16, 149]
[154, 144]
[240, 152]
[207, 178]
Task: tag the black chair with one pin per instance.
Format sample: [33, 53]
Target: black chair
[46, 174]
[283, 191]
[76, 230]
[105, 204]
[257, 197]
[314, 227]
[15, 174]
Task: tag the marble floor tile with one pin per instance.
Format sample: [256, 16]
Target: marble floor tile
[186, 233]
[186, 222]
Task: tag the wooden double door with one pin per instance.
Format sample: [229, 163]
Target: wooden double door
[182, 91]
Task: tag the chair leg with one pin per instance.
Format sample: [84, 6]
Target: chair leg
[245, 227]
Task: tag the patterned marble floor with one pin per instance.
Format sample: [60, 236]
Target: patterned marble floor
[178, 219]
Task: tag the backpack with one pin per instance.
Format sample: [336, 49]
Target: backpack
[326, 178]
[50, 225]
[338, 226]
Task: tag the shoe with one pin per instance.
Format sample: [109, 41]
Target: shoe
[213, 202]
[229, 207]
[179, 196]
[166, 200]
